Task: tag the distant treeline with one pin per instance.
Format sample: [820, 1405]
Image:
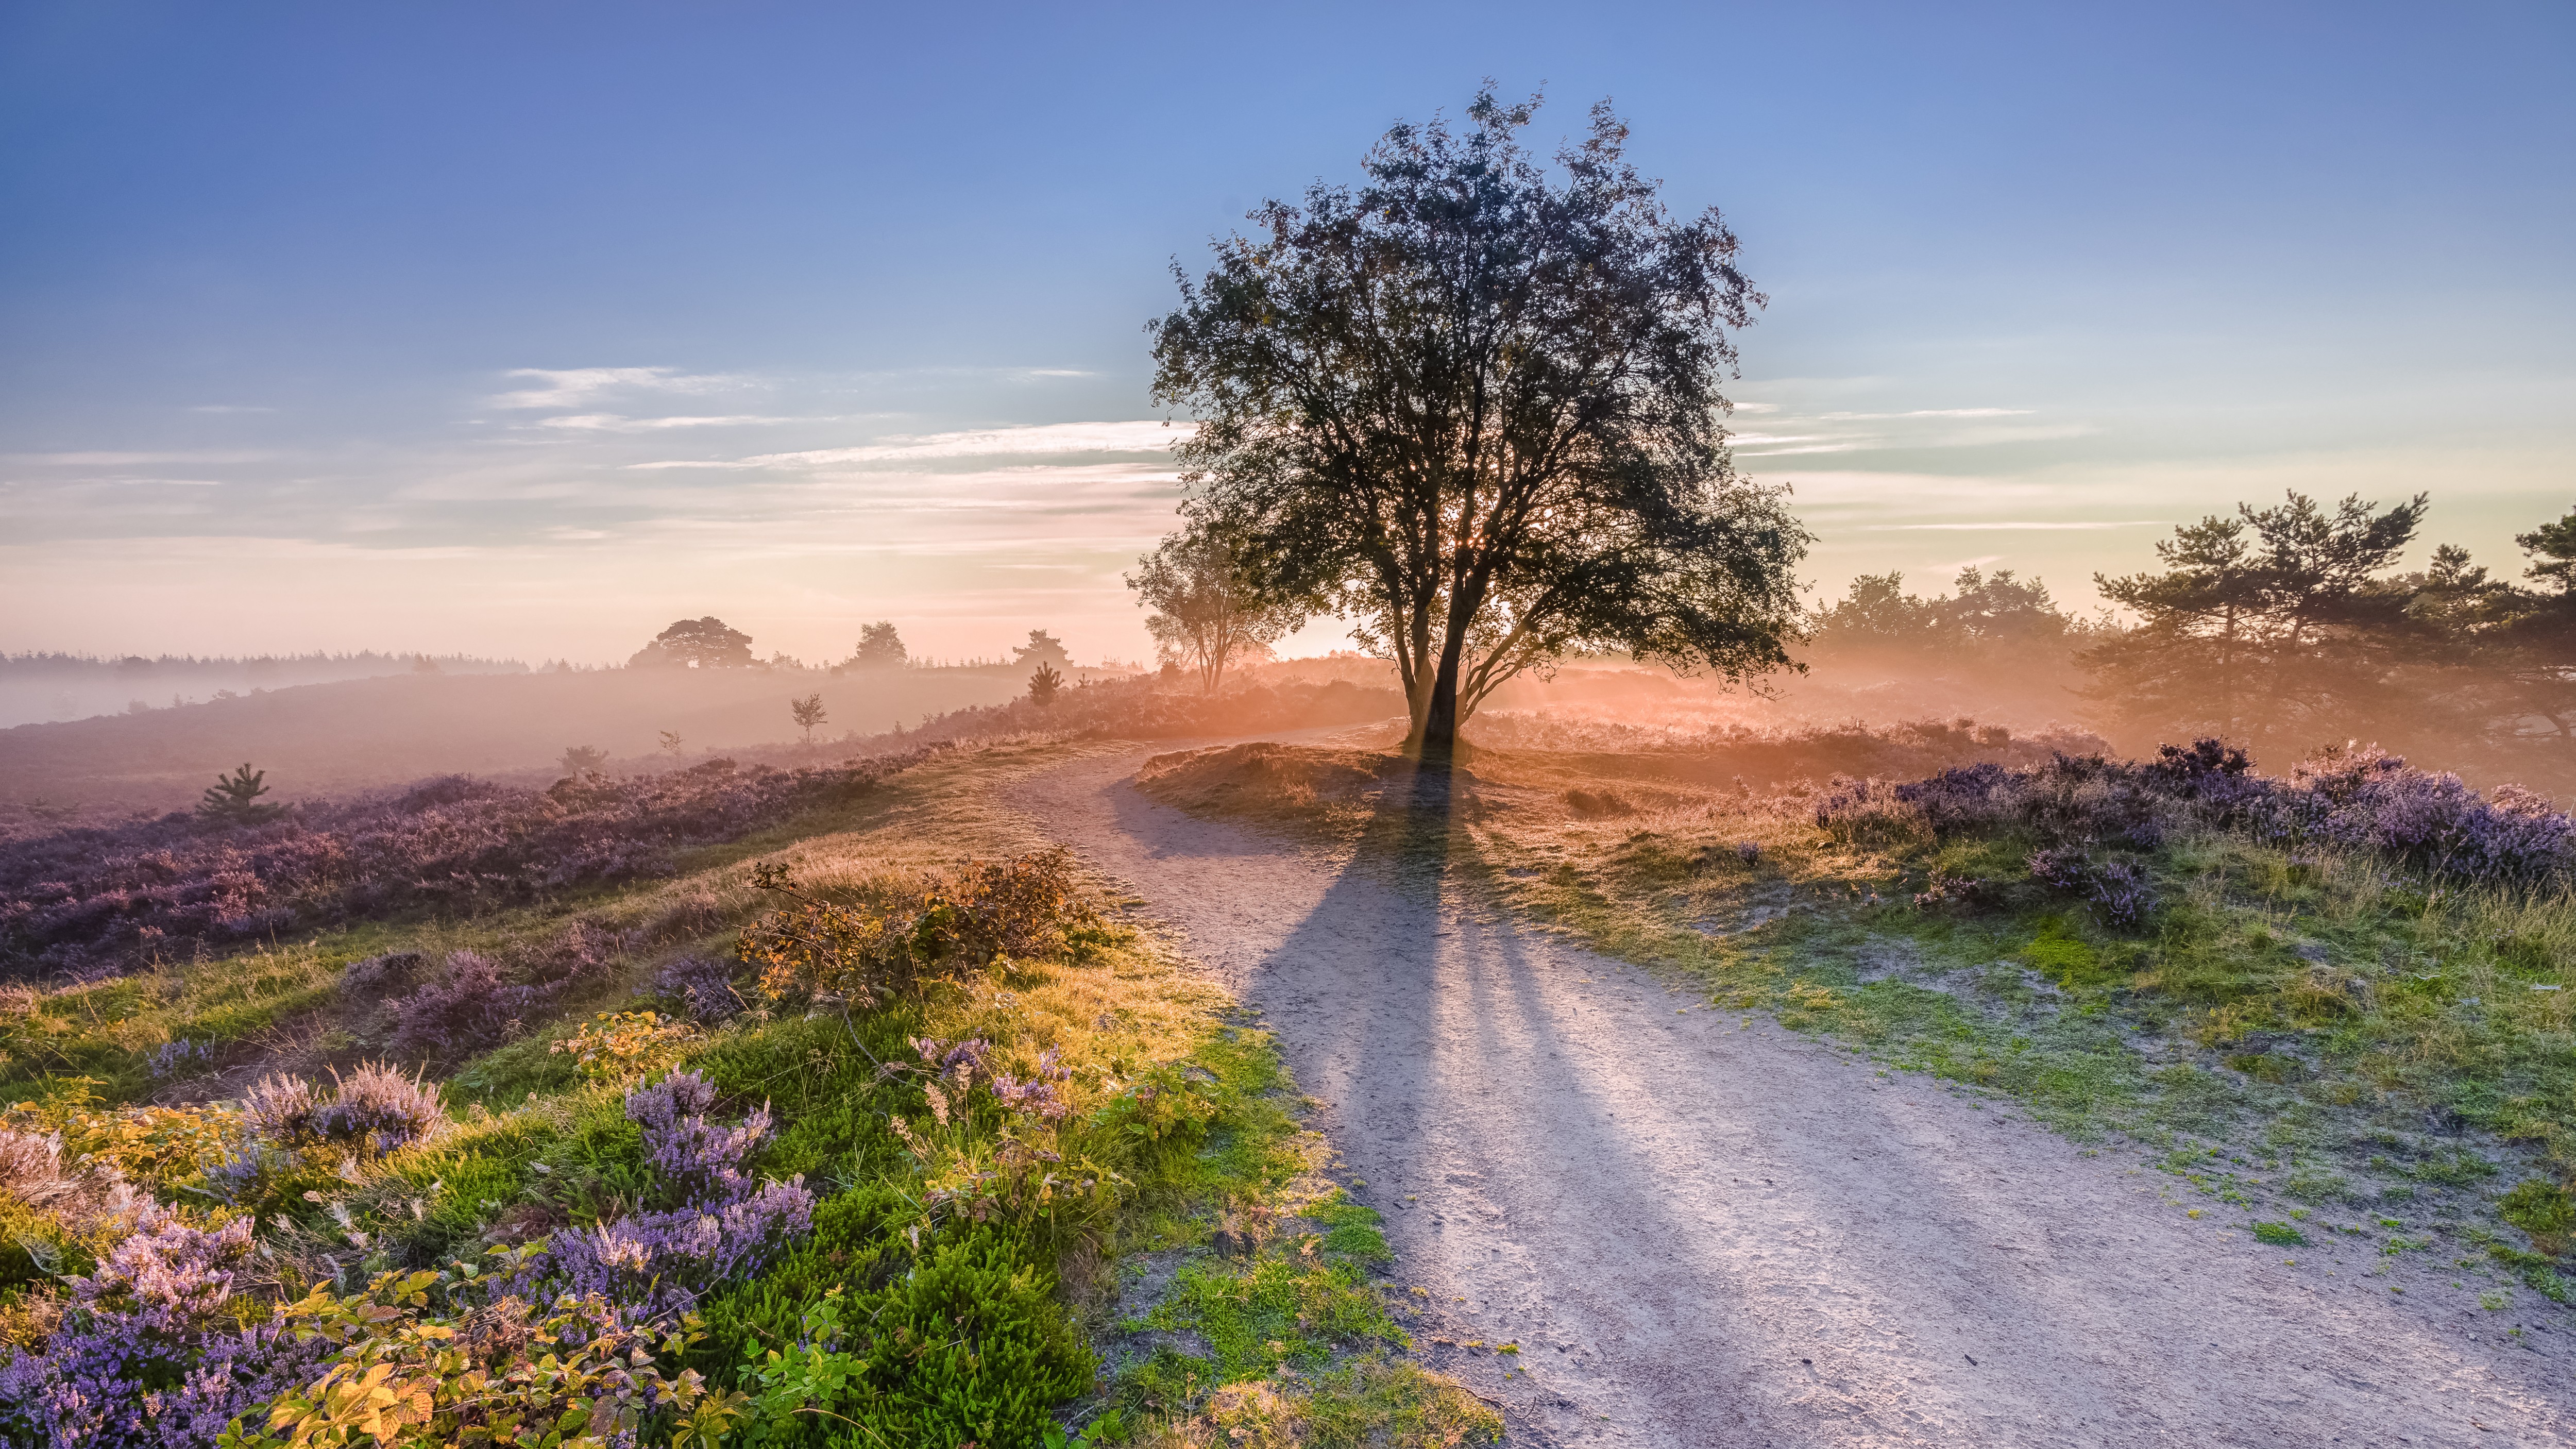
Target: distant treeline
[2284, 629]
[288, 668]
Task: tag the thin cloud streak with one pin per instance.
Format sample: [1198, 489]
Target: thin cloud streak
[1138, 436]
[617, 423]
[2014, 525]
[573, 386]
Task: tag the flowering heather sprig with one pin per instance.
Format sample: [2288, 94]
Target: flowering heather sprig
[1037, 1097]
[181, 1057]
[695, 1160]
[378, 1109]
[955, 1063]
[279, 1108]
[658, 1263]
[653, 1265]
[2062, 868]
[2121, 895]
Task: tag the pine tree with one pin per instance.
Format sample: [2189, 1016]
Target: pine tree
[233, 799]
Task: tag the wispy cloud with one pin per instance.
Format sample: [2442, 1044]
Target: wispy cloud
[573, 386]
[2031, 525]
[126, 460]
[1141, 436]
[619, 423]
[1932, 413]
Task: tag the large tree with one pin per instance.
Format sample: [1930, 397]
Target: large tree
[1475, 408]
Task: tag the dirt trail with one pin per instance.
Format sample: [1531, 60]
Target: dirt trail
[1707, 1233]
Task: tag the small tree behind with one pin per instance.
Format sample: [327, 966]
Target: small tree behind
[233, 799]
[880, 647]
[582, 759]
[1043, 685]
[1208, 611]
[671, 743]
[808, 713]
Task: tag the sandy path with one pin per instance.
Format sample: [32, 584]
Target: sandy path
[1703, 1233]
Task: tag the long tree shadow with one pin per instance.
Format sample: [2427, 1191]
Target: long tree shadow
[1569, 1161]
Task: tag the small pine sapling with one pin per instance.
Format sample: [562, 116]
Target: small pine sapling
[1043, 685]
[233, 799]
[671, 743]
[583, 759]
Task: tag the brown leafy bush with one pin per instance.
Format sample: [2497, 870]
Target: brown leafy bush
[954, 920]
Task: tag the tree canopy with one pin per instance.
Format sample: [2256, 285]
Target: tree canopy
[1988, 612]
[696, 644]
[1475, 407]
[880, 647]
[1207, 609]
[1042, 648]
[2290, 626]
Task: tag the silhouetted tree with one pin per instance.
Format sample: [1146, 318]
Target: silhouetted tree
[807, 712]
[233, 799]
[1988, 612]
[1476, 410]
[582, 759]
[2531, 635]
[880, 647]
[1042, 648]
[1043, 685]
[671, 743]
[1207, 611]
[2271, 626]
[696, 644]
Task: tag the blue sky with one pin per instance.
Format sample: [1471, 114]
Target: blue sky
[524, 329]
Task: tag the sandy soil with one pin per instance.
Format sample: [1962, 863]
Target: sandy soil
[1704, 1231]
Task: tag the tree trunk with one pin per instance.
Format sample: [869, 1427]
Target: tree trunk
[1437, 739]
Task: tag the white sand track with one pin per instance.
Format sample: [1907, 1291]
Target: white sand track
[1707, 1233]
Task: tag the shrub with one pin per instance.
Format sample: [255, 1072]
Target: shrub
[2061, 868]
[2122, 896]
[701, 987]
[619, 1045]
[465, 1008]
[960, 919]
[2355, 798]
[372, 1111]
